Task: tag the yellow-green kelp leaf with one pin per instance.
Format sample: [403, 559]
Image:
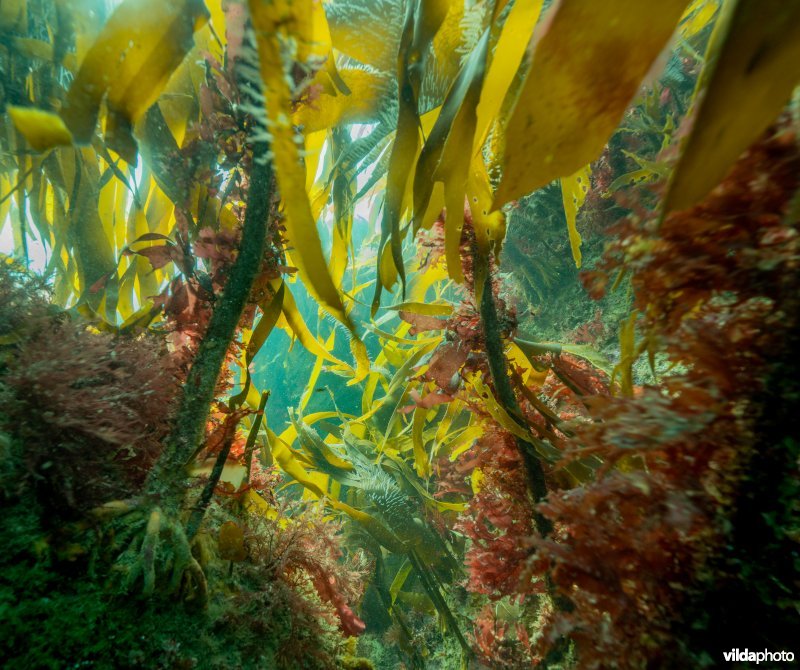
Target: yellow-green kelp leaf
[367, 30]
[447, 157]
[401, 164]
[753, 64]
[505, 62]
[130, 62]
[424, 308]
[298, 328]
[271, 310]
[587, 65]
[253, 340]
[422, 462]
[573, 192]
[42, 129]
[399, 580]
[422, 21]
[320, 453]
[343, 191]
[317, 483]
[628, 354]
[333, 107]
[438, 65]
[86, 234]
[584, 351]
[697, 16]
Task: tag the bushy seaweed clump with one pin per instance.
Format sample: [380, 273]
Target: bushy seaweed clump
[665, 564]
[84, 413]
[84, 416]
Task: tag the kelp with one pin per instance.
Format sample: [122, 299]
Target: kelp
[755, 47]
[580, 82]
[403, 151]
[127, 66]
[455, 441]
[388, 505]
[269, 23]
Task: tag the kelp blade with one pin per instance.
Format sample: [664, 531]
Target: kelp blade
[271, 21]
[131, 61]
[587, 66]
[754, 65]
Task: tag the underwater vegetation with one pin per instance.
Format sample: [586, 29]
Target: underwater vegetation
[418, 334]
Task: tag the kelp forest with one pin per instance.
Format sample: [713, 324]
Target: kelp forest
[399, 334]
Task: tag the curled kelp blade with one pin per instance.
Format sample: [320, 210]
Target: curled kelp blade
[274, 24]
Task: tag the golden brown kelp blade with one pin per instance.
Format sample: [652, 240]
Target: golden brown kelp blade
[587, 66]
[753, 66]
